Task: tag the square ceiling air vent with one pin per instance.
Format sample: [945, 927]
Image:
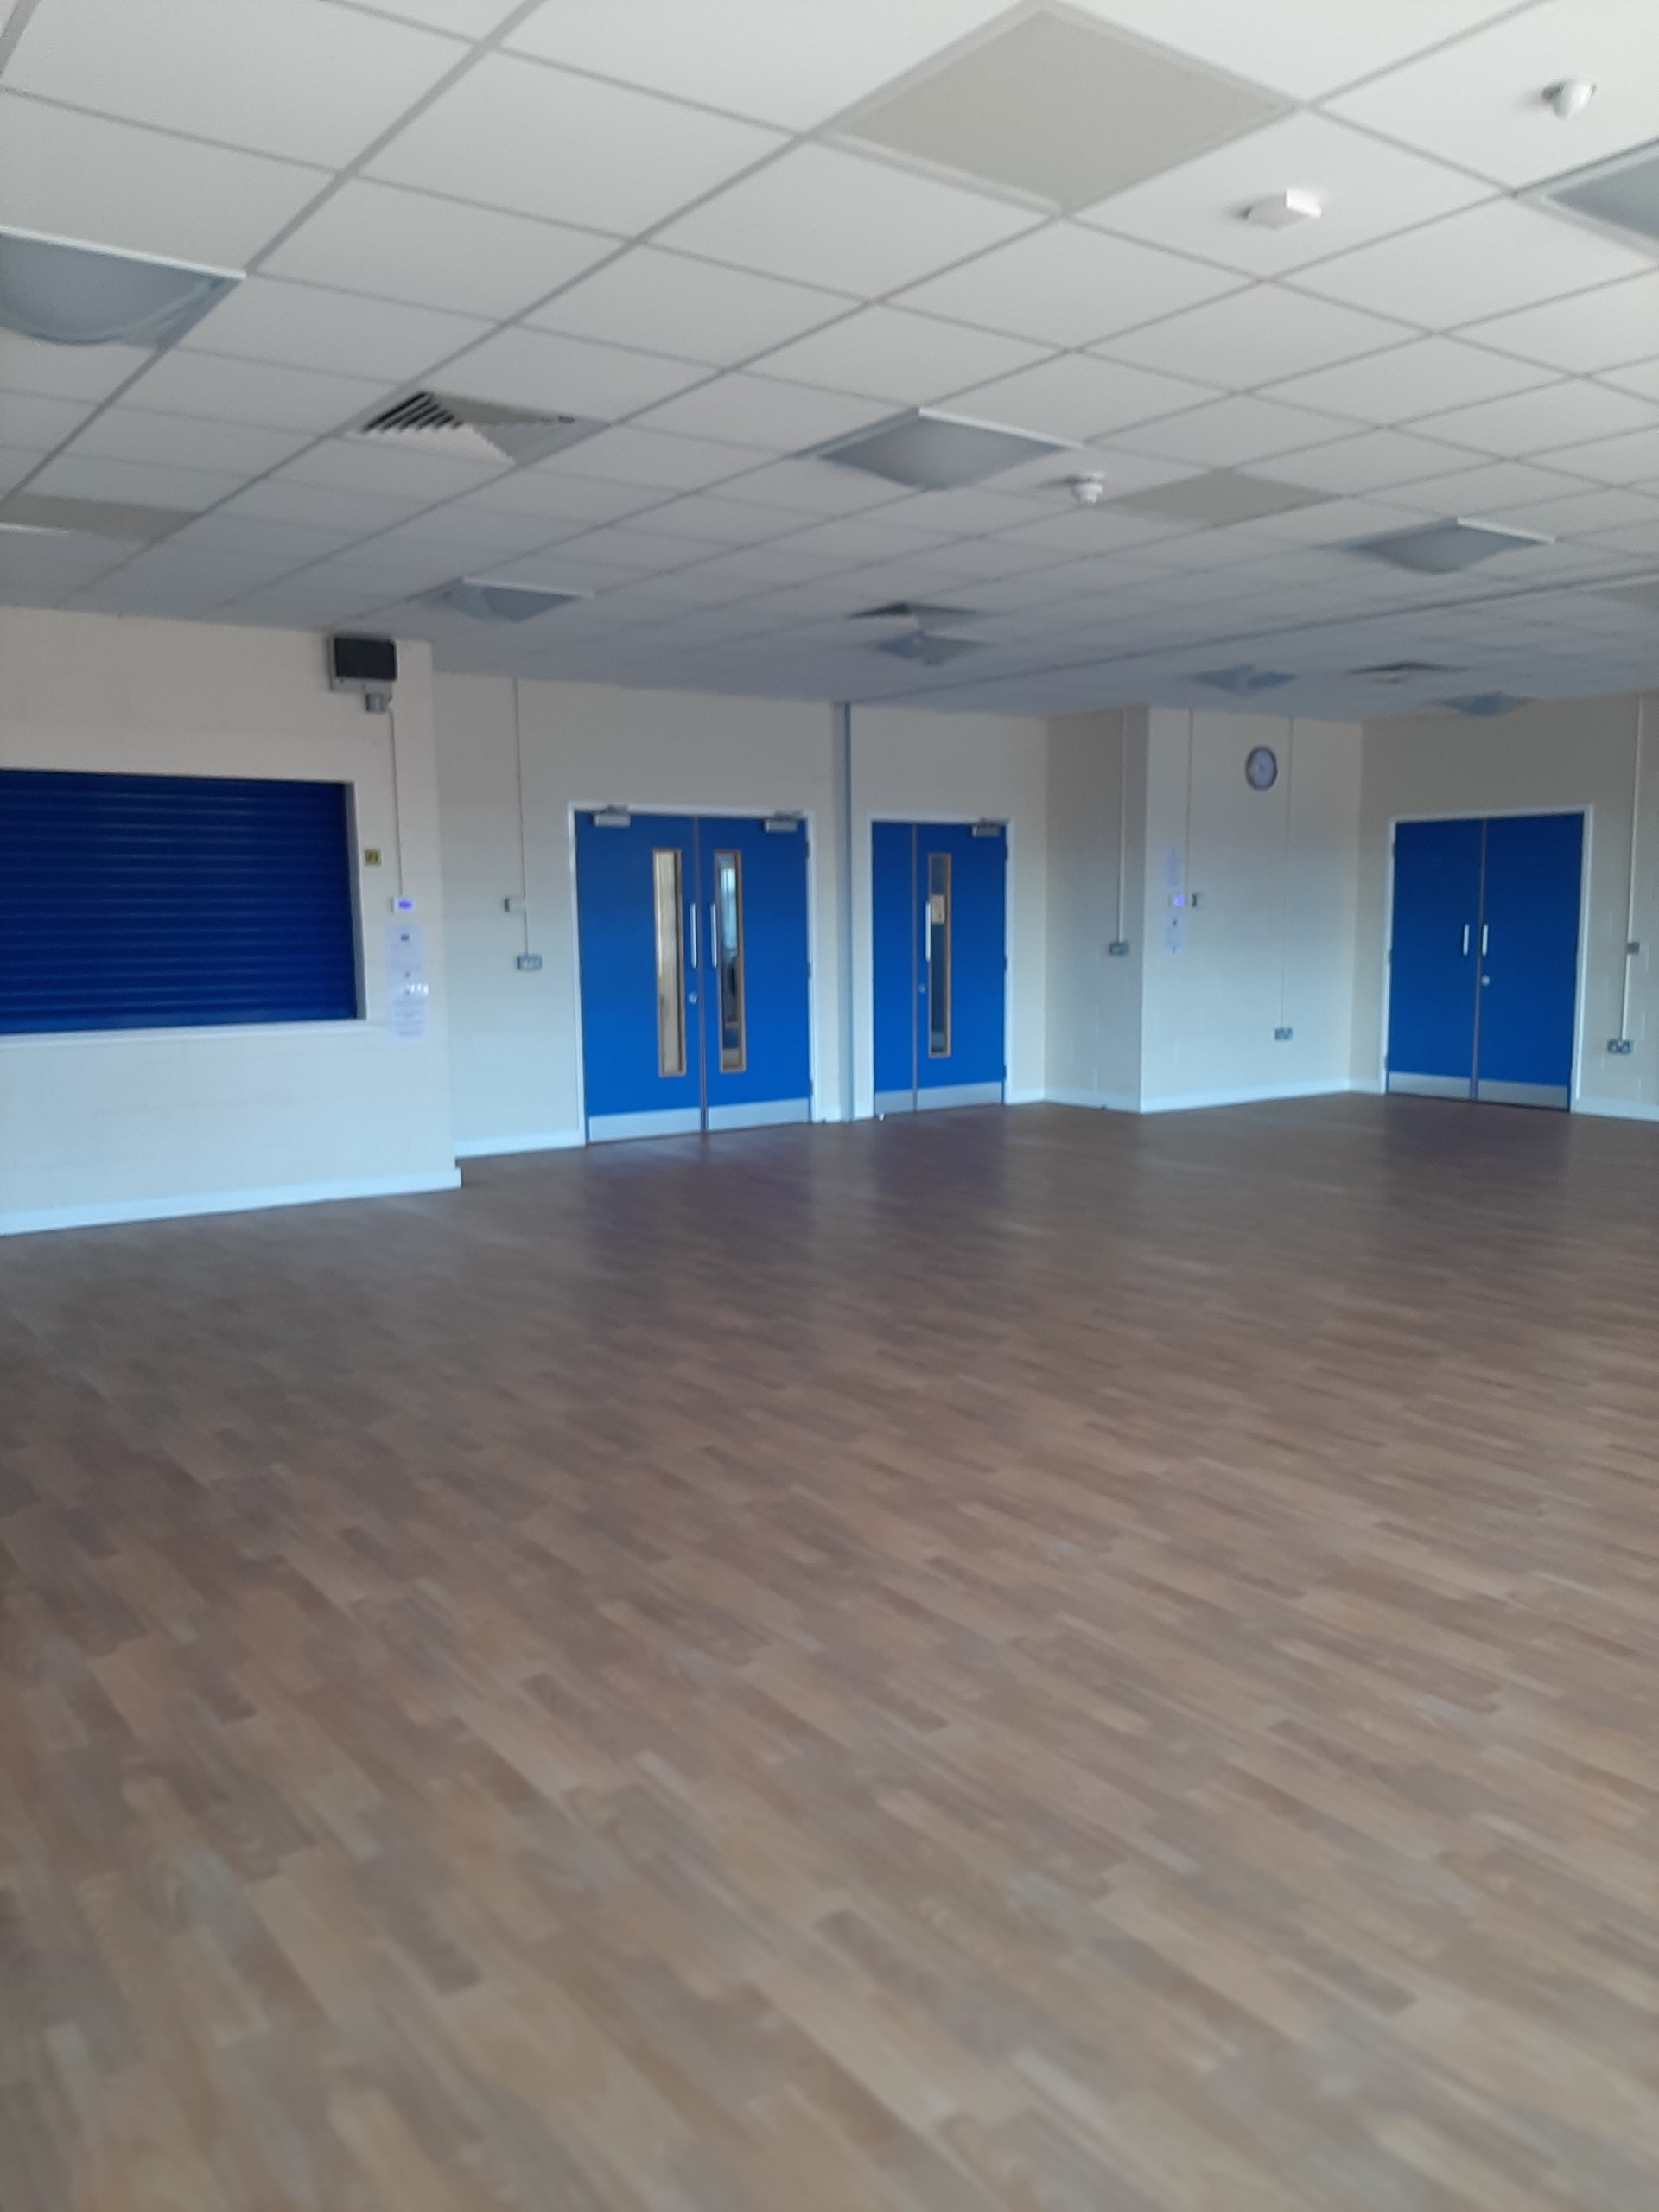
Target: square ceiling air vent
[1620, 195]
[1220, 496]
[932, 452]
[1439, 548]
[1065, 110]
[438, 421]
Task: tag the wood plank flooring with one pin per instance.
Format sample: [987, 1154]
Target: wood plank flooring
[1035, 1661]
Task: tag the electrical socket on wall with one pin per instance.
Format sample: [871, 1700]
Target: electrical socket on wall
[1119, 948]
[529, 963]
[1282, 1036]
[1621, 1047]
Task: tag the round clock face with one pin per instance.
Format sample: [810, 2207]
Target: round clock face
[1262, 768]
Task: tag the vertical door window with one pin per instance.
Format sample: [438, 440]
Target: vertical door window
[671, 962]
[938, 955]
[726, 929]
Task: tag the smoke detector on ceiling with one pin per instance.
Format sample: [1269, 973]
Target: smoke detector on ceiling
[1282, 210]
[1087, 491]
[1570, 97]
[440, 421]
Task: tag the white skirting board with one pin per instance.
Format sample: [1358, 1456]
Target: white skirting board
[1617, 1109]
[189, 1203]
[535, 1141]
[1114, 1102]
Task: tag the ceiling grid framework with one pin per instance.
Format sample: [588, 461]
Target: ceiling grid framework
[738, 240]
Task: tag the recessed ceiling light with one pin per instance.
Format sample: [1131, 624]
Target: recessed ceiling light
[68, 294]
[1240, 682]
[1438, 549]
[932, 452]
[1482, 703]
[36, 511]
[1284, 210]
[1621, 194]
[490, 599]
[931, 647]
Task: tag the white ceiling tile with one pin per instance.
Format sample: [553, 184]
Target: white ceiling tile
[715, 520]
[1072, 396]
[1367, 189]
[1482, 491]
[1376, 461]
[909, 359]
[523, 137]
[859, 538]
[1232, 433]
[353, 513]
[1633, 459]
[768, 564]
[756, 411]
[138, 484]
[472, 534]
[1604, 329]
[1305, 47]
[637, 548]
[392, 243]
[78, 176]
[544, 369]
[88, 372]
[1564, 414]
[29, 421]
[633, 455]
[793, 62]
[471, 19]
[555, 497]
[975, 508]
[266, 319]
[388, 469]
[1479, 101]
[1473, 265]
[815, 487]
[1427, 377]
[698, 310]
[288, 77]
[246, 535]
[1253, 337]
[1579, 512]
[1639, 377]
[1080, 532]
[175, 442]
[821, 216]
[1064, 285]
[217, 388]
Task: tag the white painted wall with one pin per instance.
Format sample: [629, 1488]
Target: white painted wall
[1271, 879]
[1097, 895]
[515, 1039]
[913, 766]
[129, 1125]
[1554, 757]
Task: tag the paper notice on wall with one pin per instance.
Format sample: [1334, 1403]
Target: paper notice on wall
[1174, 867]
[407, 994]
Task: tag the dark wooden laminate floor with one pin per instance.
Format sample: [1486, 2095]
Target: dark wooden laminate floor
[1036, 1661]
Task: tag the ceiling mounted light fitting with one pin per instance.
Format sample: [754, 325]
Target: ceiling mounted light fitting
[1244, 681]
[1282, 210]
[40, 512]
[66, 293]
[933, 452]
[932, 648]
[1440, 548]
[918, 612]
[494, 598]
[1482, 704]
[1570, 97]
[1621, 195]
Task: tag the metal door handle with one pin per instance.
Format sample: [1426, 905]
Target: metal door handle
[1465, 940]
[714, 933]
[1485, 938]
[696, 963]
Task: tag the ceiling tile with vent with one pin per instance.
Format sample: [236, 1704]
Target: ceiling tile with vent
[1221, 496]
[439, 421]
[1066, 110]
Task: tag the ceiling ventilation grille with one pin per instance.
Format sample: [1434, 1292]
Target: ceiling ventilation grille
[440, 421]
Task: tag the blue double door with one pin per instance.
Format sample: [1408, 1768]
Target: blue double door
[1482, 978]
[939, 939]
[692, 934]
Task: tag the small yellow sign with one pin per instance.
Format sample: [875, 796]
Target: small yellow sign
[371, 855]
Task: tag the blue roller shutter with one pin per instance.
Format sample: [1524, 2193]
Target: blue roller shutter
[144, 902]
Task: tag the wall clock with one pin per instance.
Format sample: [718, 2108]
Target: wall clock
[1262, 768]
